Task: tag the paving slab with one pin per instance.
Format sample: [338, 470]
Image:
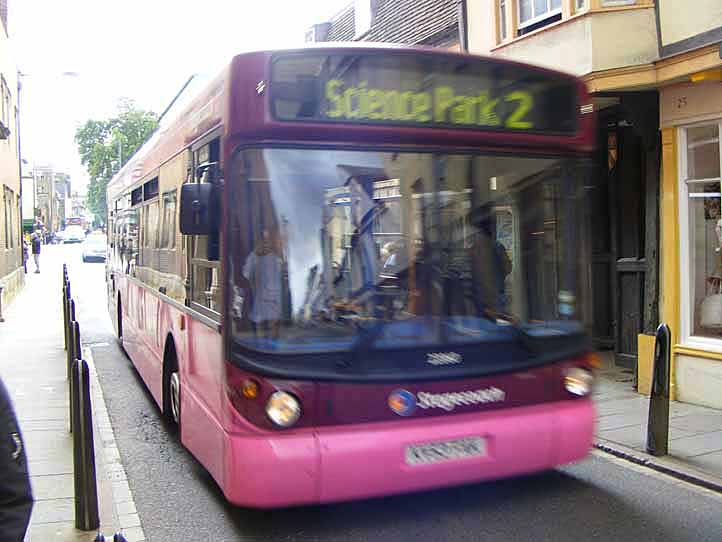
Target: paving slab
[59, 486]
[708, 462]
[703, 443]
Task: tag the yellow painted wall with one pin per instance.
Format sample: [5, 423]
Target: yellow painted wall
[645, 363]
[669, 242]
[579, 45]
[690, 102]
[682, 19]
[566, 47]
[623, 38]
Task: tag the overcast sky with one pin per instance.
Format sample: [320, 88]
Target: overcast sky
[140, 49]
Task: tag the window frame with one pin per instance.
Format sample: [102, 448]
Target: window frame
[548, 14]
[686, 337]
[617, 3]
[503, 14]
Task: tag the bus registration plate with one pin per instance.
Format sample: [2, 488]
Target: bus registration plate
[450, 450]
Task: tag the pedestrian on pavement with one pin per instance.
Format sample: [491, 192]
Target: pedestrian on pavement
[16, 497]
[35, 242]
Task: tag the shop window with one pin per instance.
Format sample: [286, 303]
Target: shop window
[702, 248]
[534, 14]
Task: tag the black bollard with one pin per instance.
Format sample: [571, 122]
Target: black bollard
[74, 354]
[658, 420]
[65, 318]
[69, 352]
[86, 489]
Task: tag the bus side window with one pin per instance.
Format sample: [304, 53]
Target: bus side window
[205, 264]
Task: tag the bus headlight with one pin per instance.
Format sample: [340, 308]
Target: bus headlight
[283, 409]
[578, 381]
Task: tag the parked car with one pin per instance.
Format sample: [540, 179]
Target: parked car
[73, 234]
[95, 248]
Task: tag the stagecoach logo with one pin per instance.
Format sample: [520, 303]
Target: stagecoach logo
[443, 358]
[403, 402]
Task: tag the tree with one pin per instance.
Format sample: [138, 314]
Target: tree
[106, 145]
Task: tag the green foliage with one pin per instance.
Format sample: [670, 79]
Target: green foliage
[105, 145]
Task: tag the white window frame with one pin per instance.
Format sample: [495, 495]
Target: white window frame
[503, 8]
[686, 338]
[538, 18]
[615, 3]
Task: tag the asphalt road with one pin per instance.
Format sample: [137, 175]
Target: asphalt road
[602, 498]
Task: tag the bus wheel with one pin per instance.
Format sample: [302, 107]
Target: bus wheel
[171, 386]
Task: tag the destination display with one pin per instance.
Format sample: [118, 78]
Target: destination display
[422, 90]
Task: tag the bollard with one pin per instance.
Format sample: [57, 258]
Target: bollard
[69, 353]
[74, 354]
[86, 490]
[658, 420]
[1, 305]
[65, 317]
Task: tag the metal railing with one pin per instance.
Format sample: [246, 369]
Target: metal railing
[81, 418]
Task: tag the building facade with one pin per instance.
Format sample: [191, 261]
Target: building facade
[433, 23]
[690, 98]
[52, 191]
[11, 262]
[653, 71]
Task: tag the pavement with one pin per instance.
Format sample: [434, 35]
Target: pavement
[695, 432]
[33, 367]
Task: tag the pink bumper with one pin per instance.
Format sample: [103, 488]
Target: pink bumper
[352, 462]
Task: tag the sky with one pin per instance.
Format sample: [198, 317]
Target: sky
[78, 57]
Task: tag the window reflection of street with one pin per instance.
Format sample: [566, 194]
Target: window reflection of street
[397, 249]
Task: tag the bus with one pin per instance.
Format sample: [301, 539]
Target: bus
[345, 272]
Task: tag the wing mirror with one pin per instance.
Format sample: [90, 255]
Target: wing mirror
[199, 209]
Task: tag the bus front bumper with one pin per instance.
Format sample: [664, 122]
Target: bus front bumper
[358, 461]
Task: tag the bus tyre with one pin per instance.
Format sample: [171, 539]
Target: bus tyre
[171, 388]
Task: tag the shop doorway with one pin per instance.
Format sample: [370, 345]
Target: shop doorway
[623, 201]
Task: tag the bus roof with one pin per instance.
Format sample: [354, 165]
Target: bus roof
[239, 102]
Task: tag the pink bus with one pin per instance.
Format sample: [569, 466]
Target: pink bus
[345, 272]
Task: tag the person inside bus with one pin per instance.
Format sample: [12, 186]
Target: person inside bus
[263, 270]
[490, 265]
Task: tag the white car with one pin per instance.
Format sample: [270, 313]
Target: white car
[95, 248]
[73, 234]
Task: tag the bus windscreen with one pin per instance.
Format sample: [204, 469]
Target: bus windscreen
[423, 90]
